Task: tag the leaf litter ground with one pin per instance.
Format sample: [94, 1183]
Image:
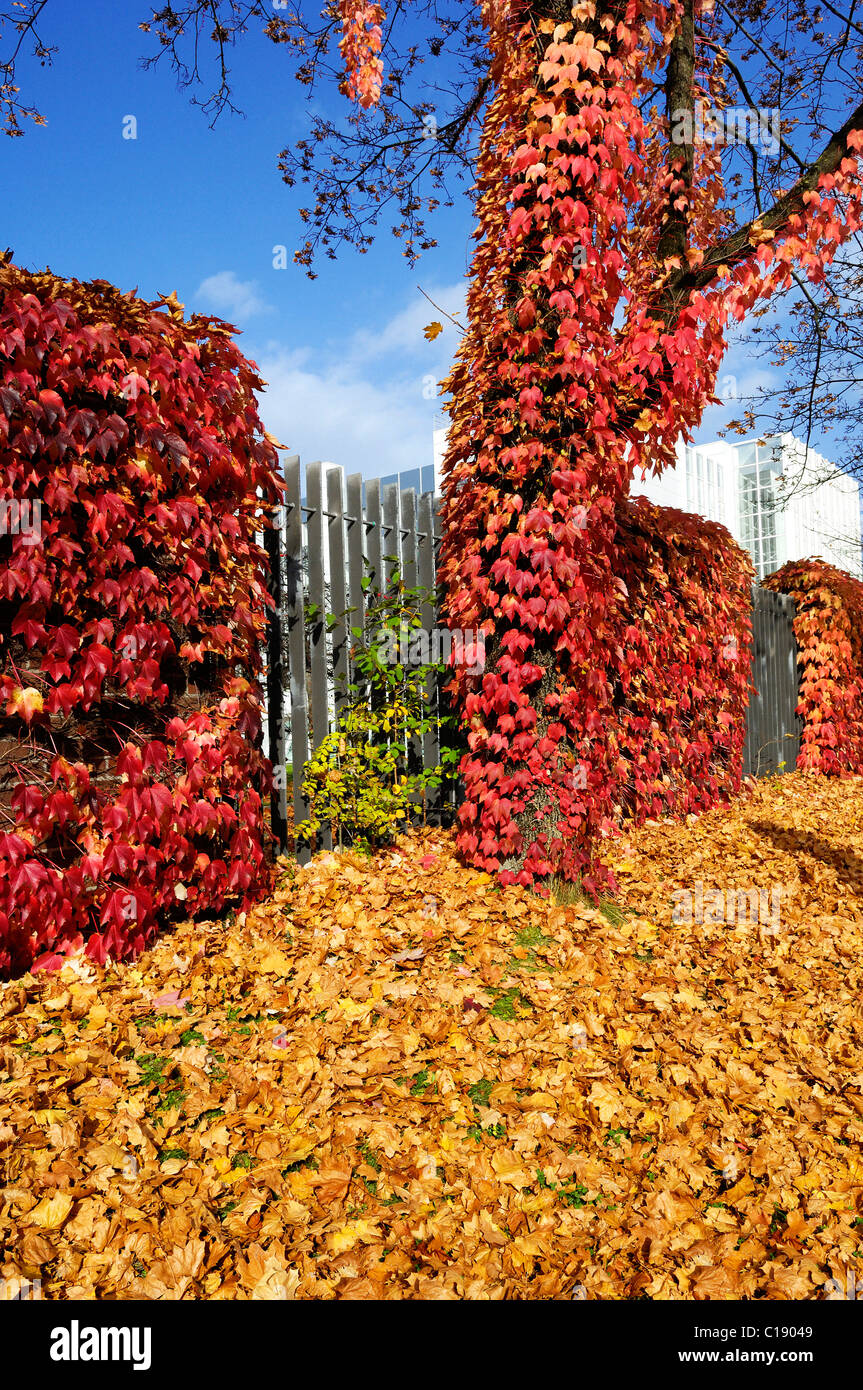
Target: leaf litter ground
[395, 1080]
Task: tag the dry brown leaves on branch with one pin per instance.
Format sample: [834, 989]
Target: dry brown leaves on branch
[396, 1081]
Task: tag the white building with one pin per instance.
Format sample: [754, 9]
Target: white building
[778, 502]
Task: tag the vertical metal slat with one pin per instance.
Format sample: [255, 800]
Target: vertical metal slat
[390, 536]
[317, 596]
[374, 539]
[276, 684]
[295, 617]
[356, 550]
[338, 585]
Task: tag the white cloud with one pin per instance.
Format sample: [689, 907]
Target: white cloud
[339, 415]
[234, 299]
[351, 407]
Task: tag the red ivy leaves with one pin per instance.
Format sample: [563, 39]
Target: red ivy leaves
[360, 46]
[828, 627]
[133, 785]
[686, 663]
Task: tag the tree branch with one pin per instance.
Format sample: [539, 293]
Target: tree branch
[738, 246]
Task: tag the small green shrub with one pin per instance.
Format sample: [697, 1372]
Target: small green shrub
[365, 779]
[354, 780]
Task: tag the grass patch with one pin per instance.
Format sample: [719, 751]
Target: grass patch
[422, 1081]
[480, 1092]
[507, 1004]
[564, 893]
[173, 1099]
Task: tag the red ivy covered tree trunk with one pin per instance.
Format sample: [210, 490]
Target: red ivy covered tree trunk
[132, 610]
[595, 330]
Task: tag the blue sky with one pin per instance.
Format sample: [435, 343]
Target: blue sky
[199, 211]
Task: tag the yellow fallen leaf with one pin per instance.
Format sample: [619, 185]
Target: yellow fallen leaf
[490, 1229]
[276, 1283]
[352, 1009]
[51, 1212]
[689, 998]
[807, 1181]
[679, 1111]
[540, 1100]
[739, 1190]
[298, 1147]
[347, 1236]
[109, 1154]
[659, 997]
[275, 963]
[509, 1169]
[301, 1185]
[606, 1101]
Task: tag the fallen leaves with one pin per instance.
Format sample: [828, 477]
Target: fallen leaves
[499, 1098]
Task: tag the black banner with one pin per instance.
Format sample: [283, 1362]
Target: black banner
[178, 1339]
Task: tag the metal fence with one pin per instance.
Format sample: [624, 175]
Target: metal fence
[343, 529]
[330, 538]
[772, 727]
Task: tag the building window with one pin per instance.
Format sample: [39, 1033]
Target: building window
[757, 503]
[702, 485]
